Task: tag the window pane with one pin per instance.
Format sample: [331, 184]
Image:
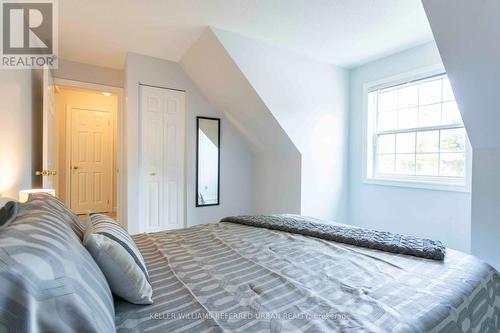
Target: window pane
[453, 140]
[427, 164]
[388, 100]
[387, 120]
[429, 115]
[385, 164]
[405, 164]
[429, 92]
[405, 143]
[452, 164]
[386, 144]
[408, 148]
[407, 118]
[408, 97]
[451, 114]
[447, 91]
[428, 142]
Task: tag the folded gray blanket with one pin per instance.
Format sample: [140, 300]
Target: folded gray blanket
[372, 239]
[8, 213]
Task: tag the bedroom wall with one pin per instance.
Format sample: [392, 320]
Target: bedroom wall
[277, 191]
[77, 71]
[427, 213]
[16, 135]
[277, 160]
[237, 159]
[310, 101]
[485, 229]
[474, 68]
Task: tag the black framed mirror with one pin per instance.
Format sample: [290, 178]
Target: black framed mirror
[207, 161]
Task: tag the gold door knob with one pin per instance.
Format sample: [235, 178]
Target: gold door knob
[45, 173]
[75, 167]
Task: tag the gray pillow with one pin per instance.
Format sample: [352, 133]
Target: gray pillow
[64, 212]
[4, 200]
[48, 280]
[119, 259]
[8, 213]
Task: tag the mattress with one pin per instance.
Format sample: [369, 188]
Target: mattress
[229, 277]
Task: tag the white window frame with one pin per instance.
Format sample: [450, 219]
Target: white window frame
[369, 143]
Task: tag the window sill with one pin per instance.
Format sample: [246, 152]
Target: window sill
[425, 185]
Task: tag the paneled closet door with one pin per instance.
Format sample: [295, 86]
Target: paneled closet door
[162, 114]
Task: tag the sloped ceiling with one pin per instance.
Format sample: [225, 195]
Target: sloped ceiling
[468, 37]
[341, 32]
[285, 103]
[209, 65]
[302, 94]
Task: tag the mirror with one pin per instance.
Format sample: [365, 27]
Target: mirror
[207, 161]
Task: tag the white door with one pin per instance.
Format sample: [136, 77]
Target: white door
[49, 149]
[91, 154]
[162, 114]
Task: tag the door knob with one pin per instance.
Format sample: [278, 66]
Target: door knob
[75, 167]
[152, 174]
[45, 173]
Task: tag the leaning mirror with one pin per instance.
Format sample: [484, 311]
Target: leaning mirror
[207, 161]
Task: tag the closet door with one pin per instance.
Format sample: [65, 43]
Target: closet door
[162, 114]
[173, 158]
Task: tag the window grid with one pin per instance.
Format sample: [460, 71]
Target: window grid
[415, 153]
[439, 173]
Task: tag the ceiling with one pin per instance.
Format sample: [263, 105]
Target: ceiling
[342, 32]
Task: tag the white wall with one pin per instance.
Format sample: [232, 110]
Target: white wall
[310, 101]
[213, 70]
[485, 236]
[277, 190]
[427, 213]
[237, 160]
[16, 135]
[467, 34]
[77, 71]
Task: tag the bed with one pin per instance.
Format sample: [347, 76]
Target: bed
[227, 277]
[237, 277]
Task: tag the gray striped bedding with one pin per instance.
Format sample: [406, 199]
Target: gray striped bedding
[48, 281]
[228, 277]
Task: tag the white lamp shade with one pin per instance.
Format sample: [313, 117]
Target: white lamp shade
[24, 194]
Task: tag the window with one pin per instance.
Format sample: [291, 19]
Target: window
[416, 136]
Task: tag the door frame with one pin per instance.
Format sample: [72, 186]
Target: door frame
[121, 203]
[69, 154]
[48, 105]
